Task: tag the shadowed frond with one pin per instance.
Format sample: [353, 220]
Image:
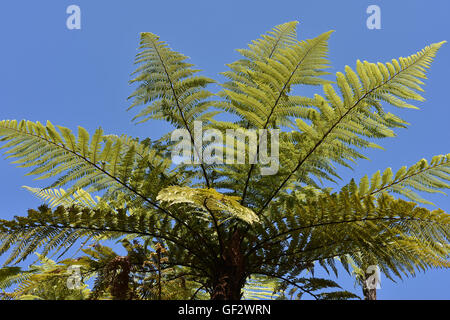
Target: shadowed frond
[260, 288]
[228, 223]
[395, 234]
[47, 281]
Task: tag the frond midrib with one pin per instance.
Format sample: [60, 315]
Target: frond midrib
[330, 130]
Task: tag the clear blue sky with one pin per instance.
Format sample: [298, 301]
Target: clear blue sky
[80, 77]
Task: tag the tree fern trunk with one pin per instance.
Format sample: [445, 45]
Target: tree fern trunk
[227, 287]
[230, 274]
[370, 293]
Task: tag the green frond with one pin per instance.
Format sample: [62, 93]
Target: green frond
[195, 227]
[394, 234]
[260, 288]
[297, 287]
[59, 197]
[258, 90]
[103, 162]
[167, 85]
[421, 177]
[208, 200]
[47, 281]
[349, 121]
[53, 231]
[10, 276]
[169, 89]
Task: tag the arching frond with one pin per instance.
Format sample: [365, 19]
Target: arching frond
[117, 164]
[422, 177]
[395, 234]
[208, 200]
[10, 276]
[344, 122]
[58, 197]
[258, 90]
[47, 281]
[168, 86]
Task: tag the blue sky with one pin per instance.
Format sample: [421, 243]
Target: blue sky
[80, 77]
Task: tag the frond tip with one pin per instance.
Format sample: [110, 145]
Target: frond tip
[422, 176]
[168, 86]
[59, 197]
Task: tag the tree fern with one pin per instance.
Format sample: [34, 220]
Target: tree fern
[46, 281]
[228, 225]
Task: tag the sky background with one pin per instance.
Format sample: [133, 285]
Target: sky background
[80, 77]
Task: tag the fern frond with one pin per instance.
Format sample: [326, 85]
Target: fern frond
[271, 43]
[168, 83]
[422, 177]
[346, 121]
[58, 197]
[208, 200]
[260, 288]
[10, 276]
[260, 97]
[117, 164]
[53, 231]
[296, 287]
[47, 281]
[395, 234]
[172, 89]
